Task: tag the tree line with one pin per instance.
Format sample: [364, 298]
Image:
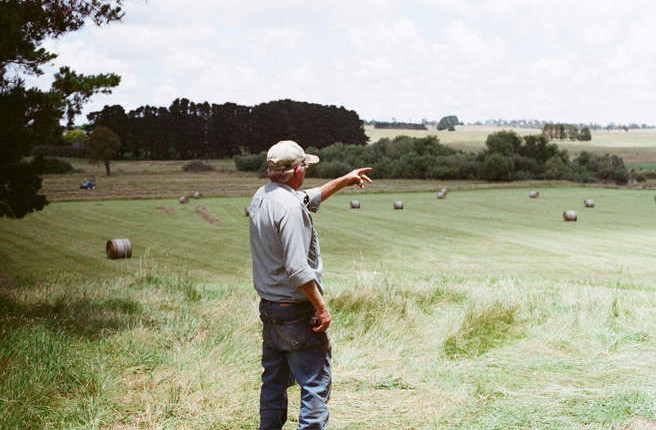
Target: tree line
[399, 125]
[539, 124]
[565, 131]
[507, 156]
[187, 130]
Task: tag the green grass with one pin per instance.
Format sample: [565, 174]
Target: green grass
[642, 166]
[552, 323]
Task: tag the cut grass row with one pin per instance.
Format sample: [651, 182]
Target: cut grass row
[472, 230]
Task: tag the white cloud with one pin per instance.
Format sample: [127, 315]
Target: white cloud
[390, 58]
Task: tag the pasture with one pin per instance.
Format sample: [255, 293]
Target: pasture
[635, 146]
[481, 311]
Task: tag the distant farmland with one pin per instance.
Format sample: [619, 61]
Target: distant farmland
[634, 146]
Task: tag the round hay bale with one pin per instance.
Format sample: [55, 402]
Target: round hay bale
[444, 190]
[534, 194]
[588, 203]
[184, 199]
[246, 213]
[118, 248]
[569, 215]
[398, 205]
[355, 204]
[441, 195]
[198, 194]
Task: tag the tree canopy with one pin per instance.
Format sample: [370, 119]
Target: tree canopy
[102, 147]
[30, 116]
[187, 130]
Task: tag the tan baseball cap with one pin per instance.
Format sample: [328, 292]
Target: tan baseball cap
[287, 154]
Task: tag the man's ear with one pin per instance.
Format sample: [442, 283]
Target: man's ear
[297, 169]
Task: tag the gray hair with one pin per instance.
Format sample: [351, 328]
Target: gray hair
[280, 176]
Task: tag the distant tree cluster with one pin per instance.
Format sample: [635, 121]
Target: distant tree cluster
[399, 125]
[188, 130]
[538, 124]
[448, 123]
[564, 131]
[507, 157]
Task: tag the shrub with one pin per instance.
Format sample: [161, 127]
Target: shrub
[334, 169]
[51, 165]
[495, 167]
[251, 162]
[197, 166]
[59, 151]
[555, 168]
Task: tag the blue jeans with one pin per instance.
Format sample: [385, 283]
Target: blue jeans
[292, 351]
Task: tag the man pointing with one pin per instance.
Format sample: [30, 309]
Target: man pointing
[287, 272]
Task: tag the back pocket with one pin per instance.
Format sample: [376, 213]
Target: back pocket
[294, 337]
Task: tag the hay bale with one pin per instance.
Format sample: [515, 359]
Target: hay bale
[569, 215]
[441, 195]
[534, 194]
[198, 194]
[184, 199]
[355, 204]
[118, 248]
[588, 203]
[444, 190]
[398, 205]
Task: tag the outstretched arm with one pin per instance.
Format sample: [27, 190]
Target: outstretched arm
[356, 177]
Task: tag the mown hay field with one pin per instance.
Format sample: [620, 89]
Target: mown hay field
[480, 311]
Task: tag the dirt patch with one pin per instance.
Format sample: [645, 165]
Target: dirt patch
[202, 211]
[166, 210]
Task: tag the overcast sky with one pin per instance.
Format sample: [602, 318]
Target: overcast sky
[560, 60]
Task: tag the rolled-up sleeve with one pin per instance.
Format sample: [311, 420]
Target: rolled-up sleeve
[295, 232]
[313, 199]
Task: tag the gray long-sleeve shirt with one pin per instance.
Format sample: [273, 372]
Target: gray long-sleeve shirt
[284, 244]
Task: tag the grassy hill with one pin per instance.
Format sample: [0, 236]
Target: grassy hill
[484, 310]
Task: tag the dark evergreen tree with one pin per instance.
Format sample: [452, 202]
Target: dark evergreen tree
[31, 116]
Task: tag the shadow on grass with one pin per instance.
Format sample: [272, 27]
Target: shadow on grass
[88, 317]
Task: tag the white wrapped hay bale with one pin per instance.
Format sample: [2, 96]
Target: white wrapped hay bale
[118, 248]
[355, 204]
[570, 215]
[198, 194]
[441, 195]
[588, 203]
[183, 199]
[398, 205]
[534, 194]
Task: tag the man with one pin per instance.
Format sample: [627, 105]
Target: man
[287, 272]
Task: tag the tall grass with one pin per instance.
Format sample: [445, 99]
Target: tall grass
[482, 330]
[481, 311]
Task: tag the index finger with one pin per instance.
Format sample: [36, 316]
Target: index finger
[366, 178]
[363, 170]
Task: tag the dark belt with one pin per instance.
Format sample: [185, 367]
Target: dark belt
[269, 302]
